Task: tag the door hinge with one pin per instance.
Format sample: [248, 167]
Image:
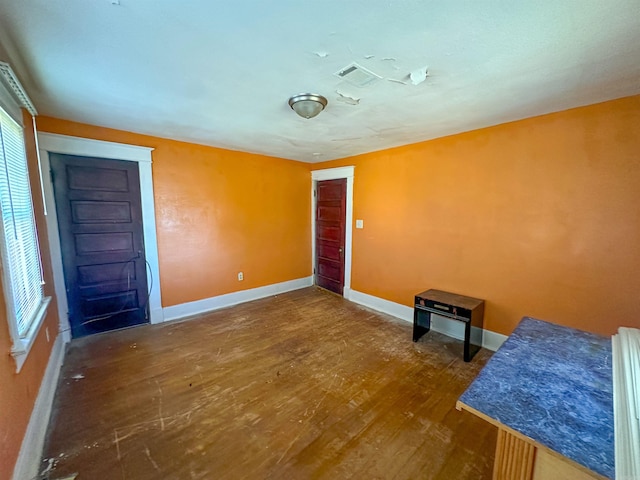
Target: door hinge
[314, 194]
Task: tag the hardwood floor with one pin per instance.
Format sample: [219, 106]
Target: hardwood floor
[303, 385]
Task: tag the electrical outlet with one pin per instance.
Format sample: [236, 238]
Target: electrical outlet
[240, 276]
[359, 223]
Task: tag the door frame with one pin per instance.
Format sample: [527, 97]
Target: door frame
[50, 142]
[335, 174]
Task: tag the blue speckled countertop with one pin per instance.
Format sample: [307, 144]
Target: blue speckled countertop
[554, 385]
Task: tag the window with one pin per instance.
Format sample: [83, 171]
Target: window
[23, 285]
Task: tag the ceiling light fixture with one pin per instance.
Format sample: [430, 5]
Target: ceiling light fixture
[307, 105]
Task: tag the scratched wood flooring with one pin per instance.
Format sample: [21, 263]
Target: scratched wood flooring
[303, 385]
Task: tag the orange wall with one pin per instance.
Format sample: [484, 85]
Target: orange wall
[219, 212]
[540, 217]
[18, 391]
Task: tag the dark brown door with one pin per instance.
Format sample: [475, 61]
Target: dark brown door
[100, 223]
[330, 227]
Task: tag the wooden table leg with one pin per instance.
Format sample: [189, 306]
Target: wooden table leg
[467, 342]
[419, 330]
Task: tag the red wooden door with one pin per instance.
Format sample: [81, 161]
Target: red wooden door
[100, 223]
[330, 229]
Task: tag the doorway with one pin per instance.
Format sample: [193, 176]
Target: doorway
[330, 234]
[346, 175]
[49, 143]
[101, 238]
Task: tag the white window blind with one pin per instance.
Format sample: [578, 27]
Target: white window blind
[21, 256]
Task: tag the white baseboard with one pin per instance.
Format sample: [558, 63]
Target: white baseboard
[380, 304]
[28, 464]
[198, 307]
[346, 293]
[156, 315]
[490, 340]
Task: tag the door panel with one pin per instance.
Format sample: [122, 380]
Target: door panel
[331, 252]
[90, 275]
[100, 212]
[85, 178]
[100, 223]
[329, 270]
[331, 214]
[95, 306]
[104, 243]
[330, 234]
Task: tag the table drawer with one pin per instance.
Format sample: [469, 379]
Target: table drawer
[443, 308]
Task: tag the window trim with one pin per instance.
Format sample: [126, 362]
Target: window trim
[20, 344]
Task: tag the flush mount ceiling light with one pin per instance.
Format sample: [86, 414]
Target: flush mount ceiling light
[307, 105]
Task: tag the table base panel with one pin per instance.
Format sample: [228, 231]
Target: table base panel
[514, 458]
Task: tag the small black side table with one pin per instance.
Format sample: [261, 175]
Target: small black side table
[457, 307]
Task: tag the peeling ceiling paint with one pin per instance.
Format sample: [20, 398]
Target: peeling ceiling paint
[220, 73]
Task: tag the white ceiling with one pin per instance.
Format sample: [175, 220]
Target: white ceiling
[220, 72]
